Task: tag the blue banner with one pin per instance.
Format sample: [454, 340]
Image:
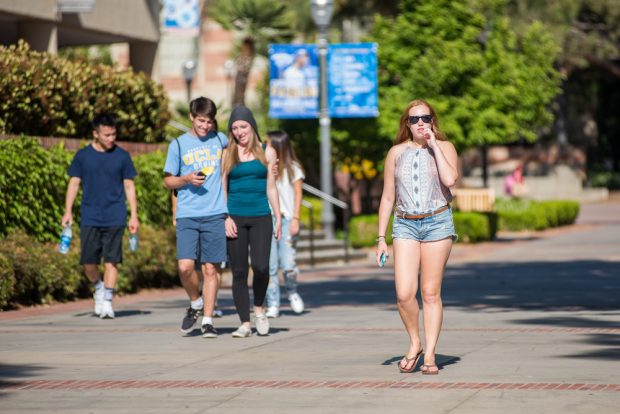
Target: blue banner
[293, 81]
[181, 16]
[352, 80]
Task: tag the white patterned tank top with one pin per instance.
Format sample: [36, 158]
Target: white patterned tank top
[418, 187]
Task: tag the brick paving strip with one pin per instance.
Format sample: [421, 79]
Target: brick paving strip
[34, 329]
[75, 385]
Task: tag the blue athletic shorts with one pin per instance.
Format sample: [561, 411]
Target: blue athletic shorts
[432, 228]
[211, 233]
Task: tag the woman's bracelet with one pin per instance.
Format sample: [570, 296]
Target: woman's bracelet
[379, 238]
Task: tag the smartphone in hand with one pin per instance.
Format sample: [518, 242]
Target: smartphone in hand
[383, 259]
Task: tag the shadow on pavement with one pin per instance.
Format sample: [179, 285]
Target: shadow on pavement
[442, 361]
[572, 285]
[17, 371]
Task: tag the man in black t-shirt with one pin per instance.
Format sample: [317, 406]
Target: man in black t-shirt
[106, 174]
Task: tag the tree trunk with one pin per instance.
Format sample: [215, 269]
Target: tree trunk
[244, 65]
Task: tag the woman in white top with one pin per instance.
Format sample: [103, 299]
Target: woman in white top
[419, 170]
[289, 183]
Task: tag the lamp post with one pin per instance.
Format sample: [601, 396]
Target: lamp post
[229, 69]
[189, 69]
[322, 14]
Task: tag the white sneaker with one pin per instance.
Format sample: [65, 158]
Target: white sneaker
[272, 312]
[262, 324]
[106, 310]
[217, 312]
[297, 304]
[98, 296]
[242, 332]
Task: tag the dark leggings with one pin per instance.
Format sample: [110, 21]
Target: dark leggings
[255, 233]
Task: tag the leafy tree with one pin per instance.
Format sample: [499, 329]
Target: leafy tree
[256, 23]
[589, 33]
[489, 84]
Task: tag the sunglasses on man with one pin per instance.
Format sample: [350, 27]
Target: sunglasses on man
[413, 119]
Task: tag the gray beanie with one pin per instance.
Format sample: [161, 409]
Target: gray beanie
[242, 113]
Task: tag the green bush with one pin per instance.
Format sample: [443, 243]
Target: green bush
[33, 273]
[363, 231]
[153, 265]
[33, 186]
[471, 228]
[474, 227]
[7, 281]
[317, 208]
[154, 206]
[45, 95]
[41, 273]
[36, 182]
[519, 215]
[608, 179]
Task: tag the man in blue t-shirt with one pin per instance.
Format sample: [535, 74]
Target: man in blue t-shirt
[106, 174]
[193, 169]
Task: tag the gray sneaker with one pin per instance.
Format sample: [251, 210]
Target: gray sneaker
[190, 319]
[208, 331]
[242, 332]
[262, 324]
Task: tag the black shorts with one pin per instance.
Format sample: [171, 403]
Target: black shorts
[98, 242]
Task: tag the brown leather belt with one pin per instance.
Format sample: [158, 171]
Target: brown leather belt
[421, 216]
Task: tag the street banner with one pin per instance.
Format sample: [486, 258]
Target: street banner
[293, 81]
[181, 17]
[352, 80]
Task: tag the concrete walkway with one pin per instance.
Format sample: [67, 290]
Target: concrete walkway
[532, 325]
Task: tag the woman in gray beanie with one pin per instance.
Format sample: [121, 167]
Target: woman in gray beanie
[250, 186]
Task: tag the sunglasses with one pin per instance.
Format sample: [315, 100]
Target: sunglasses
[425, 118]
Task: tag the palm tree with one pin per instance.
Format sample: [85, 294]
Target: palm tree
[256, 23]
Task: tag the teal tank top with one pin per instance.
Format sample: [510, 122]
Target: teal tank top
[247, 189]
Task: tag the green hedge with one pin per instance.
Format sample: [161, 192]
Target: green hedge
[40, 273]
[33, 185]
[519, 215]
[608, 179]
[154, 206]
[471, 228]
[32, 272]
[45, 95]
[35, 182]
[475, 227]
[363, 230]
[317, 208]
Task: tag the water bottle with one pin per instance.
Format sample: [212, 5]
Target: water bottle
[133, 242]
[65, 239]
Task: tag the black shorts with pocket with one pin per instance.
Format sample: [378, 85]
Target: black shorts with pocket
[98, 242]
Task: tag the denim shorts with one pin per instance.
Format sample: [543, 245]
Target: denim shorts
[202, 239]
[432, 228]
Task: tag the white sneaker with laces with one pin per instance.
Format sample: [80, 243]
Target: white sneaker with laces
[106, 310]
[272, 312]
[297, 304]
[98, 297]
[242, 332]
[262, 324]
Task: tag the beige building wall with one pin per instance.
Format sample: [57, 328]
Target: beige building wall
[213, 50]
[38, 22]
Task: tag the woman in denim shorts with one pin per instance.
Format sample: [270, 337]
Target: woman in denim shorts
[419, 170]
